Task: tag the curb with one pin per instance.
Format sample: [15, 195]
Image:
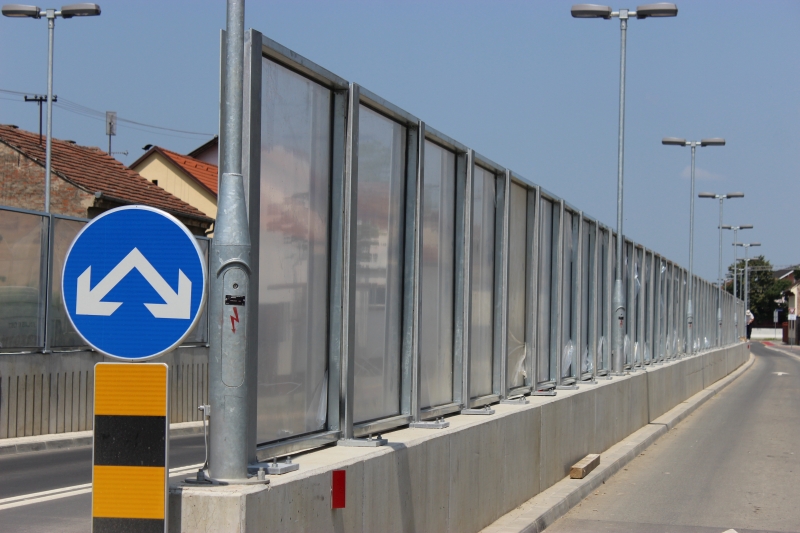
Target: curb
[551, 504]
[77, 439]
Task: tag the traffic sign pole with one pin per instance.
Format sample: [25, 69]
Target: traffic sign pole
[229, 449]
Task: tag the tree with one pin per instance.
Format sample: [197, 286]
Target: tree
[764, 289]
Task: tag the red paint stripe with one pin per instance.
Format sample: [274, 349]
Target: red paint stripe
[338, 489]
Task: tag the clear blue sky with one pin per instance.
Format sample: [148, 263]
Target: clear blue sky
[520, 81]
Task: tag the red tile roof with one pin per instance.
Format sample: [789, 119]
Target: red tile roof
[204, 173]
[94, 171]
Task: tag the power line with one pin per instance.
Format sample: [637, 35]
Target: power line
[79, 109]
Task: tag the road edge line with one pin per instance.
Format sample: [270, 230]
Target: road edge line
[65, 441]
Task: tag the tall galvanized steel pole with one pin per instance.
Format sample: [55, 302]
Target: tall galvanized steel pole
[689, 310]
[619, 291]
[229, 276]
[51, 21]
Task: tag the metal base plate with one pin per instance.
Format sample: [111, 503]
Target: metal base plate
[362, 443]
[479, 411]
[567, 387]
[274, 468]
[202, 480]
[551, 392]
[430, 424]
[589, 382]
[519, 400]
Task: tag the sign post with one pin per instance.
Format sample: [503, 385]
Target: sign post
[775, 321]
[133, 286]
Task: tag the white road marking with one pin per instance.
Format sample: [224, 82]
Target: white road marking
[75, 490]
[777, 374]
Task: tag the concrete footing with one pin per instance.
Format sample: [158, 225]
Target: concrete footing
[457, 479]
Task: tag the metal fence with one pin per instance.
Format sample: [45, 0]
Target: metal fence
[32, 313]
[402, 276]
[46, 376]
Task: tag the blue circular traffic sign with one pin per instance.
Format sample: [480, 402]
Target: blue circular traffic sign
[134, 283]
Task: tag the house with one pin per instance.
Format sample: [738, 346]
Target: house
[85, 181]
[191, 179]
[209, 152]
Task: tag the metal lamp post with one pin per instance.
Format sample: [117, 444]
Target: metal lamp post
[675, 141]
[605, 12]
[746, 246]
[66, 12]
[735, 269]
[721, 198]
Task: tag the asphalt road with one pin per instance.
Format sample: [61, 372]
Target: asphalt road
[733, 464]
[70, 511]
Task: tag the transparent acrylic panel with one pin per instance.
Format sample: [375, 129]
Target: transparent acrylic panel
[293, 254]
[567, 302]
[482, 323]
[200, 333]
[556, 346]
[604, 279]
[21, 253]
[517, 265]
[379, 274]
[438, 271]
[63, 334]
[545, 274]
[587, 294]
[647, 301]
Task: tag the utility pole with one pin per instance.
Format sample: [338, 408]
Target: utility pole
[111, 127]
[39, 99]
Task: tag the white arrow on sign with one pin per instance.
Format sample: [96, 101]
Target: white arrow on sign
[177, 305]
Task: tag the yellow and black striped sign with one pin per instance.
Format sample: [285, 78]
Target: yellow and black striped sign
[130, 468]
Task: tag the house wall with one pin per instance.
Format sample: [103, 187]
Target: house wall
[169, 177]
[22, 185]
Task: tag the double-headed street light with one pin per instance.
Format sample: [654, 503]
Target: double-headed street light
[605, 12]
[676, 141]
[720, 197]
[746, 246]
[66, 12]
[736, 269]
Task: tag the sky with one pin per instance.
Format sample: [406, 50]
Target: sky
[519, 81]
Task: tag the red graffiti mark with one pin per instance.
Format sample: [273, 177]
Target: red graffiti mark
[234, 319]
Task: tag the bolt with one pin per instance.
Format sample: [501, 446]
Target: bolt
[288, 459]
[261, 474]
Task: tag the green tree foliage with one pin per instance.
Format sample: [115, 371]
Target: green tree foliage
[764, 289]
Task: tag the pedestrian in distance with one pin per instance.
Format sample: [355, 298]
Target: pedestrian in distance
[749, 318]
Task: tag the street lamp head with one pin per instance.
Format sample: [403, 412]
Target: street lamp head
[590, 11]
[706, 195]
[727, 227]
[80, 10]
[714, 141]
[735, 195]
[754, 244]
[20, 10]
[673, 141]
[746, 226]
[662, 9]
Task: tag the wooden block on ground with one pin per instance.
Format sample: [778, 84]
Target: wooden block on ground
[582, 468]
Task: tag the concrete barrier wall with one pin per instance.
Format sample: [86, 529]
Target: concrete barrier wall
[458, 479]
[43, 394]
